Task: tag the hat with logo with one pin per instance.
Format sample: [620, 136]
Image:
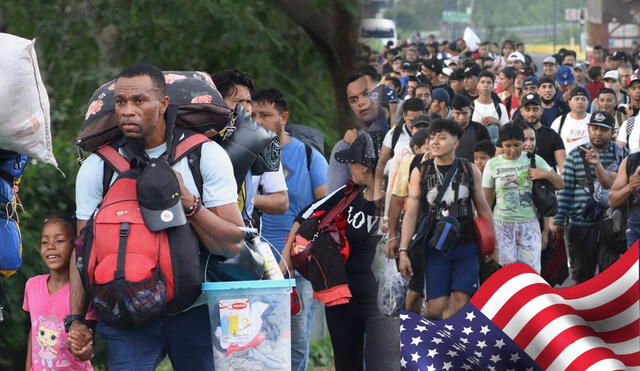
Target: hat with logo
[441, 95]
[530, 81]
[612, 75]
[564, 75]
[531, 98]
[434, 64]
[158, 193]
[472, 71]
[577, 91]
[619, 56]
[602, 119]
[549, 59]
[362, 151]
[517, 56]
[634, 78]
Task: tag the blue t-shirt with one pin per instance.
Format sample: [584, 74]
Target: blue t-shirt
[300, 182]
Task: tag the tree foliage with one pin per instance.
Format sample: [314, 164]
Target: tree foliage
[83, 43]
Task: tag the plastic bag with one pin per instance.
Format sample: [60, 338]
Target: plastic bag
[24, 104]
[379, 259]
[392, 290]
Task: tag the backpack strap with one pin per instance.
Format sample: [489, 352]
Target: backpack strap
[113, 158]
[308, 151]
[496, 105]
[563, 118]
[630, 124]
[397, 131]
[187, 145]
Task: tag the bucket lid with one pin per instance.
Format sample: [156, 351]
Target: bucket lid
[256, 284]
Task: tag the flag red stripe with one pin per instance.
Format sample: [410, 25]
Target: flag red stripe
[630, 360]
[495, 281]
[615, 306]
[563, 340]
[539, 321]
[518, 300]
[590, 357]
[625, 333]
[603, 279]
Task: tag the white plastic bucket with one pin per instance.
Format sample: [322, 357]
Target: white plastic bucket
[251, 324]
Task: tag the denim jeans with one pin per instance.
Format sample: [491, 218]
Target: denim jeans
[185, 338]
[301, 325]
[633, 227]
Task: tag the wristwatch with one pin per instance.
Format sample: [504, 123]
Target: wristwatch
[68, 320]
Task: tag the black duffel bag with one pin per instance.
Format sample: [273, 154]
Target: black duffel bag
[543, 194]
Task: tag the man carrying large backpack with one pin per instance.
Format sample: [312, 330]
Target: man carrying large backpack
[140, 106]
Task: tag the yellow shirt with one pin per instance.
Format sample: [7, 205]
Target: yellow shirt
[401, 181]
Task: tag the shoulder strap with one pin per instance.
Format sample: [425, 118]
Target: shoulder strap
[587, 171]
[466, 169]
[113, 158]
[397, 131]
[563, 118]
[447, 180]
[496, 105]
[339, 208]
[187, 145]
[532, 157]
[630, 124]
[308, 151]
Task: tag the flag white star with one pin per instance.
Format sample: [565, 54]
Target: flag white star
[404, 317]
[421, 328]
[500, 343]
[452, 353]
[514, 357]
[481, 344]
[403, 363]
[484, 330]
[416, 340]
[436, 340]
[446, 366]
[466, 367]
[431, 368]
[449, 327]
[401, 345]
[432, 353]
[464, 340]
[415, 357]
[470, 316]
[467, 331]
[402, 328]
[478, 354]
[491, 368]
[496, 358]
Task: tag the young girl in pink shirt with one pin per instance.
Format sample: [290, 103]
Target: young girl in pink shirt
[46, 298]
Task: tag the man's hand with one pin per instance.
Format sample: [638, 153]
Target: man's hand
[186, 197]
[81, 341]
[591, 155]
[391, 250]
[404, 266]
[537, 174]
[489, 120]
[495, 256]
[556, 230]
[634, 180]
[350, 136]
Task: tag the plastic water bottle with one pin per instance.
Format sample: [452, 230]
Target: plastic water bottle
[271, 267]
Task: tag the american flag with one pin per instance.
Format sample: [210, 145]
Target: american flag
[516, 321]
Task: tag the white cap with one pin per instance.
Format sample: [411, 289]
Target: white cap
[518, 56]
[613, 74]
[447, 71]
[549, 59]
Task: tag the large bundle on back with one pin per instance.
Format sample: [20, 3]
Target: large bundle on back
[25, 125]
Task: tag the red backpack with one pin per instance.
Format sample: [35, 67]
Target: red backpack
[132, 274]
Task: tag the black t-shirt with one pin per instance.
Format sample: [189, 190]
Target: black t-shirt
[456, 202]
[473, 133]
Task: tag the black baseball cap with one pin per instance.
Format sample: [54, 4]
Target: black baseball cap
[473, 70]
[579, 90]
[602, 119]
[434, 64]
[531, 98]
[619, 56]
[422, 121]
[159, 196]
[362, 151]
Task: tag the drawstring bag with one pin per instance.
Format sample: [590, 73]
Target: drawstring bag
[392, 289]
